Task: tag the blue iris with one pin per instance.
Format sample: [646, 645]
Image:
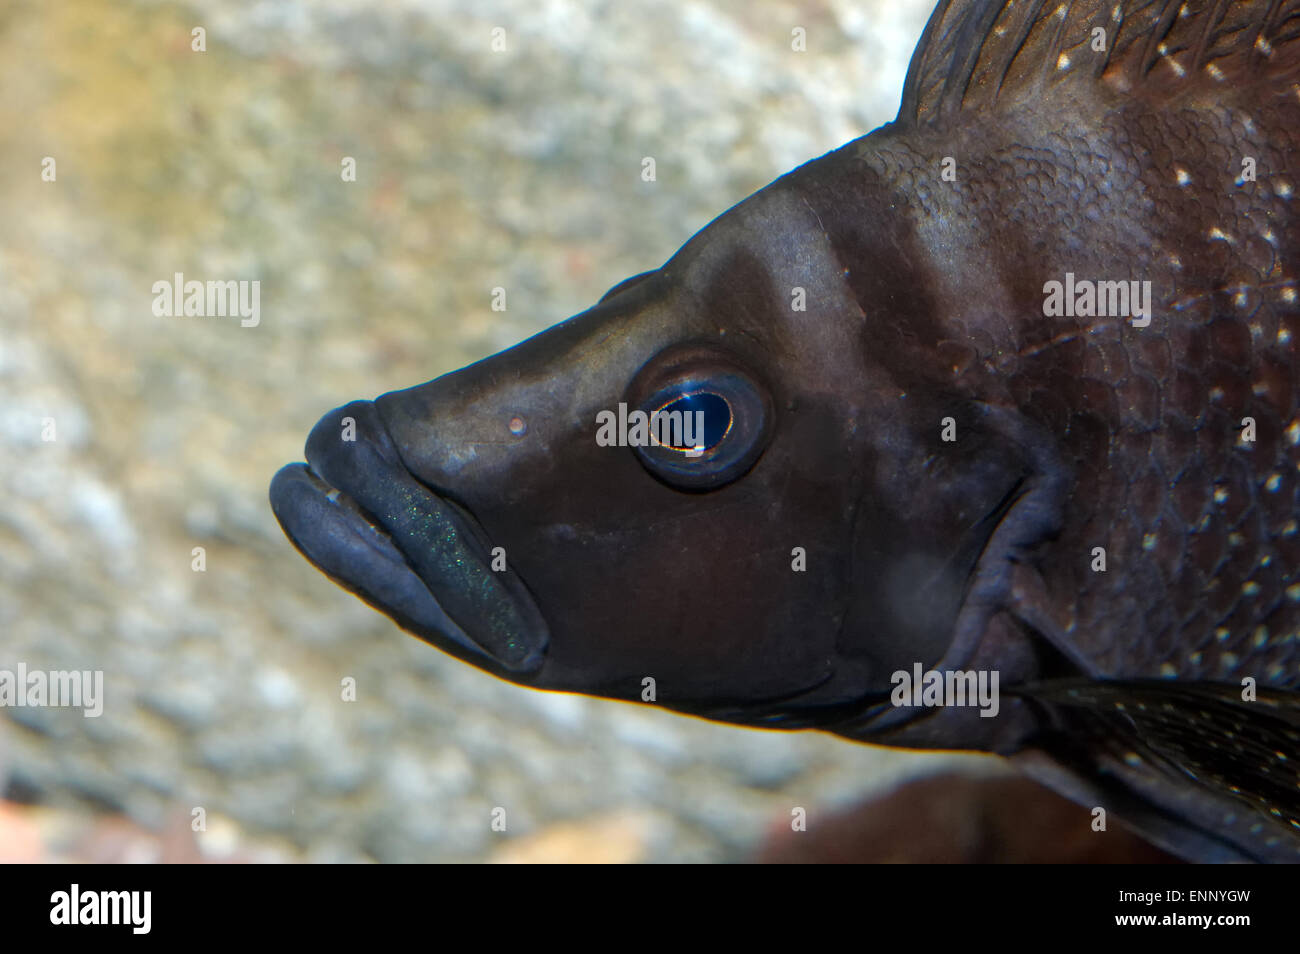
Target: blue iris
[716, 416]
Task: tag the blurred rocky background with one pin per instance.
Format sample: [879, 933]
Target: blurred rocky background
[474, 169]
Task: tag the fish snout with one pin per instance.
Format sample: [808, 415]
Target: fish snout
[356, 512]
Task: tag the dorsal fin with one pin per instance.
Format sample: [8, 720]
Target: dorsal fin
[978, 53]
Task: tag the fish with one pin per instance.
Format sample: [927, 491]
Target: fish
[980, 432]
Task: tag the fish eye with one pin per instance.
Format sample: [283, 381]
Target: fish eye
[691, 423]
[709, 419]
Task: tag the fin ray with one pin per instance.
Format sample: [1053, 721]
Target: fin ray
[1237, 752]
[977, 53]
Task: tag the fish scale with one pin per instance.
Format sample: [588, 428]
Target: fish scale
[1122, 387]
[1149, 595]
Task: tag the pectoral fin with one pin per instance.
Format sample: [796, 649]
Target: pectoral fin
[1236, 762]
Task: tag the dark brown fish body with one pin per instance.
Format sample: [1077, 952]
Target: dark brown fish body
[1109, 184]
[1099, 509]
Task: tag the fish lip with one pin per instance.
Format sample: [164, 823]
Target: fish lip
[357, 513]
[349, 546]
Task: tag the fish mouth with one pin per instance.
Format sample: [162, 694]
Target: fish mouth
[361, 517]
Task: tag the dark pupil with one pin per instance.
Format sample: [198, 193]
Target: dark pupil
[716, 418]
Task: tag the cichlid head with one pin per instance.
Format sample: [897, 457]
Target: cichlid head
[776, 567]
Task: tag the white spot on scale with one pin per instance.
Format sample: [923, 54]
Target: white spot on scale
[1063, 61]
[1263, 46]
[1181, 175]
[1293, 431]
[1273, 483]
[1216, 74]
[1288, 296]
[1283, 189]
[1218, 235]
